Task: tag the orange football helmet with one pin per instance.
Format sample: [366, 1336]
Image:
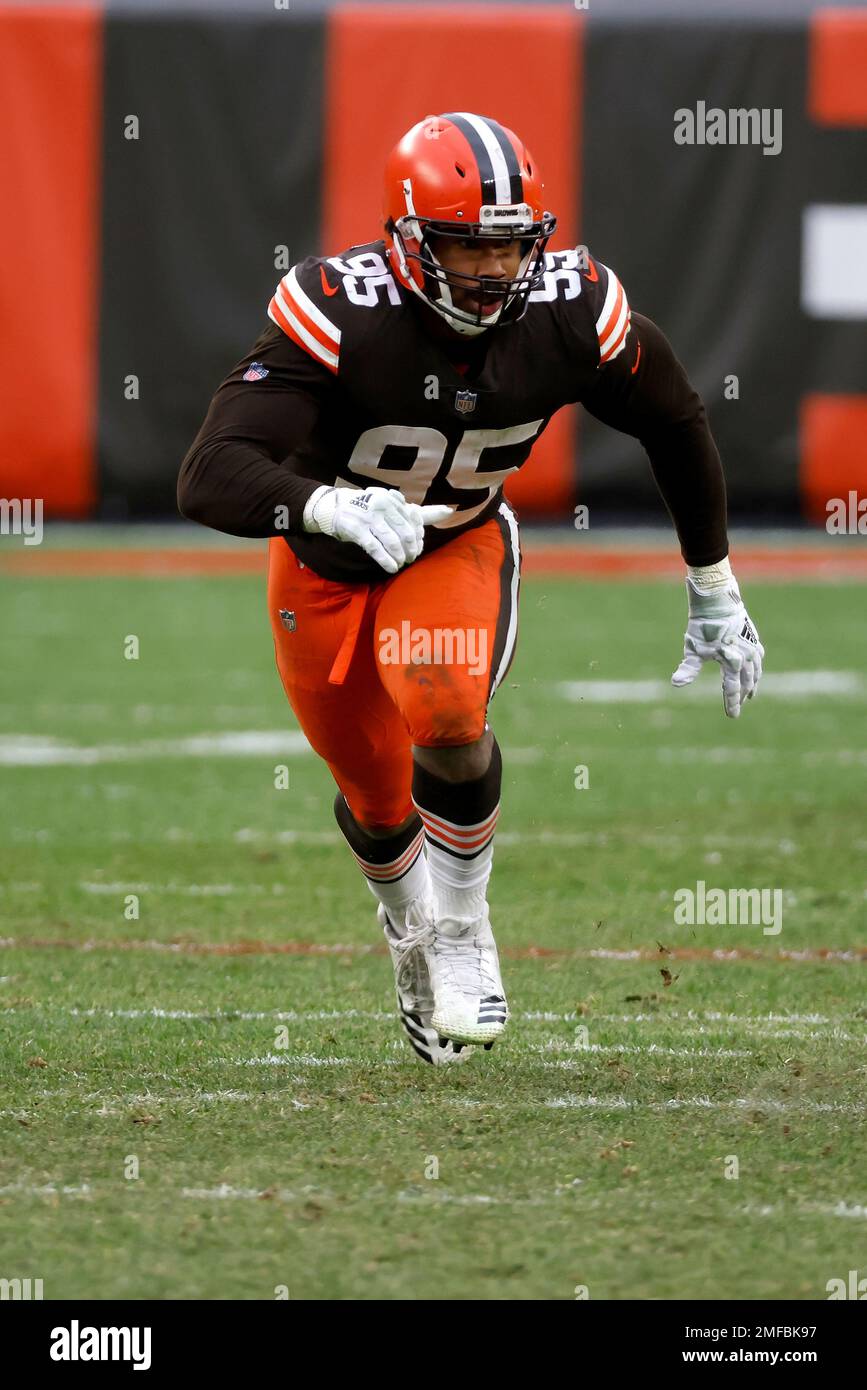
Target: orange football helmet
[465, 176]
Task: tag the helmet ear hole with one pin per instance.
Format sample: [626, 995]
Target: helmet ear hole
[462, 172]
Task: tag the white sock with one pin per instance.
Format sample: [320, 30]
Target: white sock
[460, 885]
[397, 894]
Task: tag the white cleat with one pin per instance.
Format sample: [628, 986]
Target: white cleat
[415, 1000]
[470, 1004]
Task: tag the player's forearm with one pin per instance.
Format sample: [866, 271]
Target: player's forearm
[688, 472]
[233, 487]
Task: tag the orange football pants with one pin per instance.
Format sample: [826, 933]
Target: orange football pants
[371, 669]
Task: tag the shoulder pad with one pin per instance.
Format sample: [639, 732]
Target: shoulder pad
[319, 298]
[590, 300]
[300, 307]
[614, 314]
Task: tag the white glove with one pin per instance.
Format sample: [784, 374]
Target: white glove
[387, 527]
[719, 629]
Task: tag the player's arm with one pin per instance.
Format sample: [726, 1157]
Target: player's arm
[641, 389]
[236, 475]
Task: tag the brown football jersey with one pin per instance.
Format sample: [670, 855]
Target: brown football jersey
[348, 385]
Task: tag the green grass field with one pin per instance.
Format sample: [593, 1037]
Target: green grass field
[303, 1158]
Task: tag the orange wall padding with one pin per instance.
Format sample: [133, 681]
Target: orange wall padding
[50, 138]
[833, 427]
[838, 67]
[388, 67]
[833, 459]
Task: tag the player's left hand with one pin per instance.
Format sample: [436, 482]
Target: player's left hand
[719, 629]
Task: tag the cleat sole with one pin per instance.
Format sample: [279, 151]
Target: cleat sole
[471, 1034]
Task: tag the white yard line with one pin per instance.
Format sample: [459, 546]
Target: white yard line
[302, 1059]
[218, 950]
[278, 1015]
[48, 1189]
[185, 890]
[506, 839]
[707, 1015]
[37, 750]
[775, 1025]
[225, 1192]
[814, 757]
[25, 750]
[435, 1195]
[739, 1103]
[111, 1103]
[782, 685]
[647, 1050]
[851, 1211]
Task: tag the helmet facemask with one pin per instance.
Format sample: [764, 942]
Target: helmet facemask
[413, 236]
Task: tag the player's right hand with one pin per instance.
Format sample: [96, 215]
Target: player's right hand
[387, 527]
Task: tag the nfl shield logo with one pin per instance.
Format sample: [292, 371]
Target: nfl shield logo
[255, 372]
[465, 401]
[287, 618]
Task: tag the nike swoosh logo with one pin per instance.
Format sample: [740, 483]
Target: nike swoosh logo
[327, 289]
[634, 369]
[592, 273]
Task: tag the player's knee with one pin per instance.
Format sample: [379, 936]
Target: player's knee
[441, 707]
[461, 764]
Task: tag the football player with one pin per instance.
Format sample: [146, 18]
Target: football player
[369, 433]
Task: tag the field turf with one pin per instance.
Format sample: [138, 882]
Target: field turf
[284, 1138]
